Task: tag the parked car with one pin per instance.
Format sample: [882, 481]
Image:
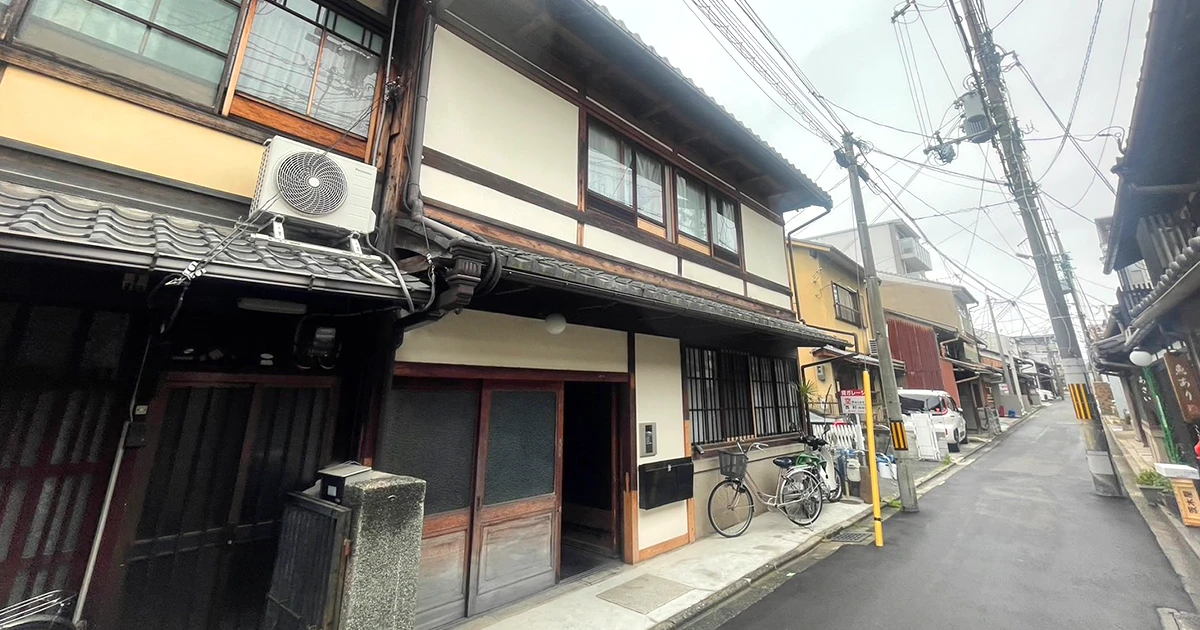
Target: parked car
[946, 414]
[1046, 395]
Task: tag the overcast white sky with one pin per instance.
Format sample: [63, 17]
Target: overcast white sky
[849, 50]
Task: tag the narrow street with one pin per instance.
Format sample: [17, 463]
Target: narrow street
[1016, 540]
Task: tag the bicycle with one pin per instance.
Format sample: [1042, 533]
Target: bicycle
[731, 502]
[823, 464]
[48, 611]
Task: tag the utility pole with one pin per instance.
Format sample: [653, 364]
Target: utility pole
[1010, 367]
[887, 371]
[1024, 189]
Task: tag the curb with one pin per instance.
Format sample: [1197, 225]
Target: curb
[749, 579]
[1151, 514]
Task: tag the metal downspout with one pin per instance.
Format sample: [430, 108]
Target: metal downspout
[416, 145]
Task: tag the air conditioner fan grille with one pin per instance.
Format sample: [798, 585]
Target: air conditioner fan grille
[312, 183]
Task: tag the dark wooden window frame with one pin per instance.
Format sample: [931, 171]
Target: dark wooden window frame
[267, 114]
[846, 309]
[671, 172]
[732, 395]
[632, 212]
[215, 116]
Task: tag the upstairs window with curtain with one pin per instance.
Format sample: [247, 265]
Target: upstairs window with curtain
[725, 226]
[312, 61]
[178, 47]
[628, 177]
[692, 208]
[733, 395]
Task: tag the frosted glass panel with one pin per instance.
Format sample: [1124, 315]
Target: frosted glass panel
[520, 454]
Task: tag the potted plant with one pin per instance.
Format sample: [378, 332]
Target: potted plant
[1150, 483]
[1167, 496]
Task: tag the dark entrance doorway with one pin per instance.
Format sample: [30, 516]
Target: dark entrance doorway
[195, 539]
[591, 533]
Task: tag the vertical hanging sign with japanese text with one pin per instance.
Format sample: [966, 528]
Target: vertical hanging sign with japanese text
[1185, 385]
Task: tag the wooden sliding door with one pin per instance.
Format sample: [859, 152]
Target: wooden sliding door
[490, 454]
[517, 502]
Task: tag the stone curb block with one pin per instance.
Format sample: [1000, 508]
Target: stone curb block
[750, 578]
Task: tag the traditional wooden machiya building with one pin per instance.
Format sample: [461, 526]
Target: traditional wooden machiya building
[156, 334]
[641, 305]
[552, 267]
[1151, 242]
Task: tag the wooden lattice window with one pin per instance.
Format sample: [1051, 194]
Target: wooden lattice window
[735, 395]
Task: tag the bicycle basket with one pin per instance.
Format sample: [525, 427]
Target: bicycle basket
[733, 465]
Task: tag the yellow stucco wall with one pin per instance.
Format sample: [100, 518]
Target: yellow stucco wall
[936, 304]
[49, 113]
[813, 286]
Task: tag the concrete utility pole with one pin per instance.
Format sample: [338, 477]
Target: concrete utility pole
[1024, 189]
[887, 371]
[1010, 367]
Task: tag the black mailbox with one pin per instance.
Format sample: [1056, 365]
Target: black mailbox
[665, 482]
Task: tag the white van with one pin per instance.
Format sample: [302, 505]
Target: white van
[947, 416]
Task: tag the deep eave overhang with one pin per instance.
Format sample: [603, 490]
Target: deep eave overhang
[1165, 127]
[546, 271]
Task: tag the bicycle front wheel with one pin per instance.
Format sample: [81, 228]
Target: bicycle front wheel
[801, 497]
[730, 508]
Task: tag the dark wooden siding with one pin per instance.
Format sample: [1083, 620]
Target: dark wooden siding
[59, 415]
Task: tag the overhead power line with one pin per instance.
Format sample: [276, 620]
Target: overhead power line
[1112, 114]
[1066, 131]
[1087, 57]
[1010, 12]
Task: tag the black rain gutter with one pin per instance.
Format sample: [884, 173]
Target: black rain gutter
[787, 238]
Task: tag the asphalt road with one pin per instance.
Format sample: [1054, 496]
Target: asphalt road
[1016, 540]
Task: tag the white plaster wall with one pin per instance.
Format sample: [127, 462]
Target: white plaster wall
[454, 190]
[485, 113]
[495, 340]
[713, 278]
[612, 244]
[659, 398]
[762, 294]
[766, 255]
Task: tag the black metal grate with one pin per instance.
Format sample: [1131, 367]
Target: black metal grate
[853, 538]
[307, 578]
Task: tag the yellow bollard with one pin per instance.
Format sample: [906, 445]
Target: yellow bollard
[872, 467]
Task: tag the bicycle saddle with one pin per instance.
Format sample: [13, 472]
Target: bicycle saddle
[784, 462]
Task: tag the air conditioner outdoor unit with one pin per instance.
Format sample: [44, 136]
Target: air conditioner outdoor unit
[317, 187]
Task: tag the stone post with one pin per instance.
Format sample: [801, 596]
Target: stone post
[380, 590]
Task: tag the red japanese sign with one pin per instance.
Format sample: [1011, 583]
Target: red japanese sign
[1187, 389]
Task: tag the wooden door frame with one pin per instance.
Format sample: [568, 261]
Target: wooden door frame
[478, 510]
[129, 495]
